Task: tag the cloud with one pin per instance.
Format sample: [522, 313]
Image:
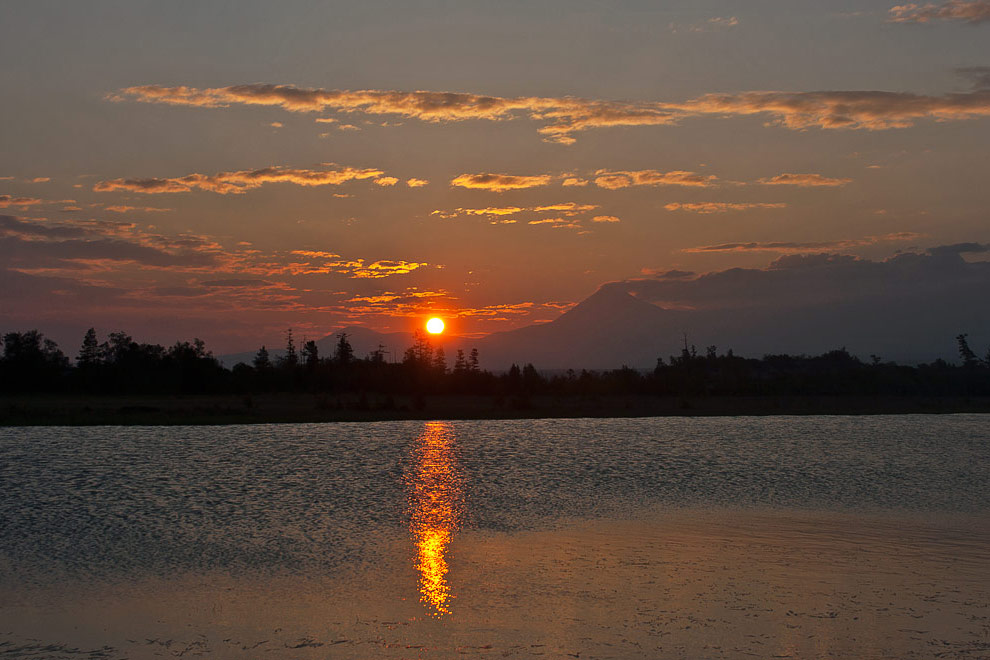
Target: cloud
[804, 248]
[564, 116]
[605, 218]
[500, 182]
[976, 11]
[386, 181]
[556, 223]
[237, 283]
[870, 110]
[41, 179]
[721, 207]
[623, 179]
[960, 248]
[978, 75]
[123, 208]
[569, 208]
[574, 181]
[711, 25]
[416, 183]
[803, 180]
[566, 208]
[318, 262]
[240, 181]
[10, 200]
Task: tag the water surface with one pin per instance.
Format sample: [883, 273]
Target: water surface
[522, 536]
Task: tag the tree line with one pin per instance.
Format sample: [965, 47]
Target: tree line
[32, 363]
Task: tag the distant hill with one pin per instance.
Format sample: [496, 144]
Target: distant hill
[609, 329]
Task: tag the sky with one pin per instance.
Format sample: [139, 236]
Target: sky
[227, 170]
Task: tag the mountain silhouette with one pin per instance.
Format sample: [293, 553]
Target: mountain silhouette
[606, 330]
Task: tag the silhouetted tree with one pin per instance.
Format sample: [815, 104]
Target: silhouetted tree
[343, 354]
[473, 361]
[966, 353]
[291, 359]
[30, 362]
[262, 362]
[460, 363]
[89, 353]
[311, 354]
[440, 361]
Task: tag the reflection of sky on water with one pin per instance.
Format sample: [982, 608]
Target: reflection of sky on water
[435, 503]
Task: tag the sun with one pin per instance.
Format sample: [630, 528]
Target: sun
[434, 326]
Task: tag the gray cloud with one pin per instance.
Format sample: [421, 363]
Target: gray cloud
[968, 11]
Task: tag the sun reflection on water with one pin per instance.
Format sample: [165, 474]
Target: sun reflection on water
[436, 502]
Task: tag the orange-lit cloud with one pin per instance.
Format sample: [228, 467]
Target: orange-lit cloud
[721, 207]
[605, 218]
[562, 117]
[796, 248]
[803, 180]
[10, 200]
[386, 181]
[976, 11]
[123, 208]
[41, 179]
[871, 110]
[623, 179]
[416, 183]
[574, 181]
[500, 182]
[569, 208]
[316, 262]
[566, 208]
[556, 223]
[240, 181]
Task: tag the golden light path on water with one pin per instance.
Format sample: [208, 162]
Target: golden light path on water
[436, 503]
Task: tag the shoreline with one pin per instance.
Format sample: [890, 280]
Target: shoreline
[163, 410]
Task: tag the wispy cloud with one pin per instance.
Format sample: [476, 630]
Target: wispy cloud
[803, 180]
[556, 223]
[10, 200]
[500, 182]
[569, 209]
[976, 11]
[123, 208]
[416, 183]
[613, 180]
[721, 207]
[711, 25]
[32, 245]
[978, 75]
[784, 247]
[565, 116]
[241, 181]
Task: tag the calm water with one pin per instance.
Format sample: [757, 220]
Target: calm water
[85, 507]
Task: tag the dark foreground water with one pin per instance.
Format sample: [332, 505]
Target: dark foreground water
[441, 537]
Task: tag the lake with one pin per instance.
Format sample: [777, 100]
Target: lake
[656, 537]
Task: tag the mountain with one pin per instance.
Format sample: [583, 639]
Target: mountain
[609, 329]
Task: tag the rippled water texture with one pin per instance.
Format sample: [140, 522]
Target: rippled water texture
[712, 537]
